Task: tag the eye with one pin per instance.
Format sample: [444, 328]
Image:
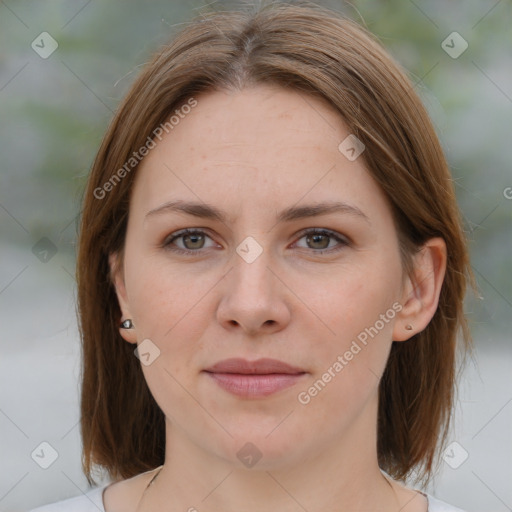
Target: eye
[320, 240]
[192, 240]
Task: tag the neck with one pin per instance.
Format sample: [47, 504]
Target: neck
[336, 476]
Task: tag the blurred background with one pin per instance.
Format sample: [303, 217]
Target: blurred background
[65, 65]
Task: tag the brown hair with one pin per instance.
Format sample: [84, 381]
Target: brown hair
[318, 52]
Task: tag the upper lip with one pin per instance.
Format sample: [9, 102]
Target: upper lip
[258, 367]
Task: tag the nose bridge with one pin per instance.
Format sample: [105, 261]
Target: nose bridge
[251, 274]
[252, 297]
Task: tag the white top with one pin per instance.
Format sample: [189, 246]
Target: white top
[93, 502]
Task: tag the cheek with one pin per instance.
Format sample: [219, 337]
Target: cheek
[360, 307]
[163, 298]
[169, 309]
[354, 300]
[348, 366]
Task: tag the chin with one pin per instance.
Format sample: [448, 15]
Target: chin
[253, 449]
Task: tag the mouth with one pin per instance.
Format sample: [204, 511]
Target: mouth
[254, 379]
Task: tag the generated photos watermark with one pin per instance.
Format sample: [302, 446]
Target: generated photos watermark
[137, 156]
[304, 397]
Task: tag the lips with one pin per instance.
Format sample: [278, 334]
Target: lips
[258, 367]
[254, 379]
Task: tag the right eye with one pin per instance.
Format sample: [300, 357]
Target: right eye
[191, 240]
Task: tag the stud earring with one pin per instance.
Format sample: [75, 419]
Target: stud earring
[127, 324]
[408, 327]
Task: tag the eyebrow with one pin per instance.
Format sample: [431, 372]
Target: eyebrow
[206, 211]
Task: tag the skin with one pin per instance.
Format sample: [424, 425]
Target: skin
[253, 153]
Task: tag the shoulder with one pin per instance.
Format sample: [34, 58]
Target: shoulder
[435, 505]
[92, 501]
[120, 495]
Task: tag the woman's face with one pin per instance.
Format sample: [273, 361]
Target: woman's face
[251, 174]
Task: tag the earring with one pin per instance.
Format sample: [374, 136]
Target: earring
[127, 324]
[408, 327]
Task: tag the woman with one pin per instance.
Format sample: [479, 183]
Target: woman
[271, 273]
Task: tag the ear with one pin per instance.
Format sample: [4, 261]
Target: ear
[420, 294]
[117, 277]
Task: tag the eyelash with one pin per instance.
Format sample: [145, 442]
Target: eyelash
[312, 231]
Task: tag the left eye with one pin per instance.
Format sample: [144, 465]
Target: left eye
[320, 239]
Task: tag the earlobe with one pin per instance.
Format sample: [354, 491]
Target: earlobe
[422, 289]
[126, 327]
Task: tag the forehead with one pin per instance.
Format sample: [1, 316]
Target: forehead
[233, 123]
[252, 147]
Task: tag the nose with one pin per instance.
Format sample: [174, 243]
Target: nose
[254, 298]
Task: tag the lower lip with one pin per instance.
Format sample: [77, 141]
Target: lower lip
[255, 385]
